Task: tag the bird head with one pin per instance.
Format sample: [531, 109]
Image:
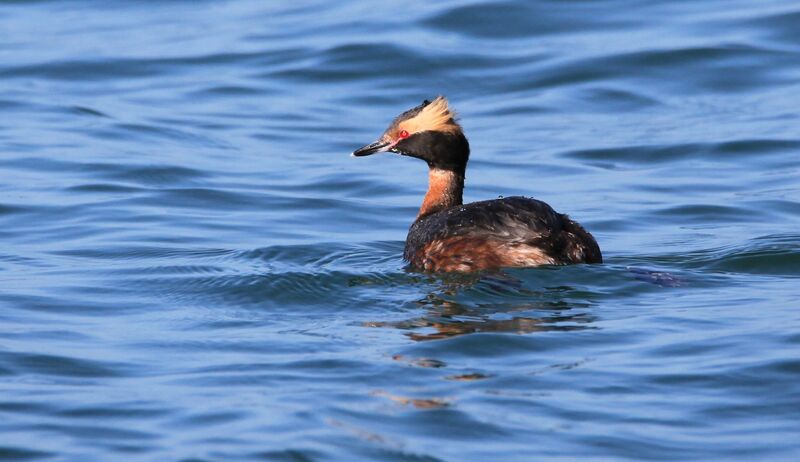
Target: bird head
[428, 132]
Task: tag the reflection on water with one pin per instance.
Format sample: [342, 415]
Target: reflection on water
[532, 311]
[419, 403]
[468, 377]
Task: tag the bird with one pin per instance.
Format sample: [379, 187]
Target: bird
[450, 236]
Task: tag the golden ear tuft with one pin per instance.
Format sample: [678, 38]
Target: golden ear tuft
[436, 116]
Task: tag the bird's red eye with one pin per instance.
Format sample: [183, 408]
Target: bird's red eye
[403, 134]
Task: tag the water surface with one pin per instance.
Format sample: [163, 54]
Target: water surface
[193, 269]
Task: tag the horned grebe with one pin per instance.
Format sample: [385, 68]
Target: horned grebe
[448, 236]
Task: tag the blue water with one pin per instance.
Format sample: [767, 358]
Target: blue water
[192, 268]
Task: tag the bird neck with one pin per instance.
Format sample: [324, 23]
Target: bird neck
[445, 188]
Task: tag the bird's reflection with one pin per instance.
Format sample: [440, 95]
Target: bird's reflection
[495, 303]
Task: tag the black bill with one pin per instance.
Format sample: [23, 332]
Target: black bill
[378, 146]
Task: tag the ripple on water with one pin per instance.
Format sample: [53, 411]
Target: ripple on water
[768, 255]
[747, 150]
[290, 276]
[65, 366]
[518, 20]
[780, 26]
[11, 453]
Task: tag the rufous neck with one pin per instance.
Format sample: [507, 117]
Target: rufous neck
[445, 188]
